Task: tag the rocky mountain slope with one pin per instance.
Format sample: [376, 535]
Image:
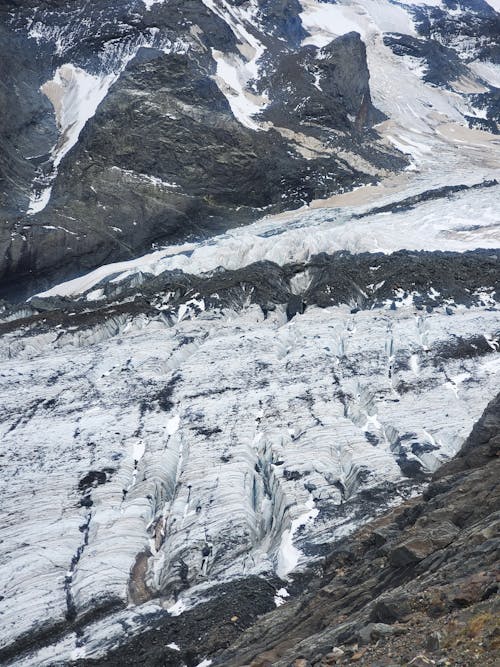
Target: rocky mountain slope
[251, 282]
[132, 123]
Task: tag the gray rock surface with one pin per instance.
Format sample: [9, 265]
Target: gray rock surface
[215, 451]
[358, 579]
[231, 109]
[165, 157]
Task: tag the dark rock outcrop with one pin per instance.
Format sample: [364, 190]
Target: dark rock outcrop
[306, 89]
[472, 21]
[164, 158]
[341, 278]
[442, 64]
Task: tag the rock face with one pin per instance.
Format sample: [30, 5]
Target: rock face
[181, 145]
[27, 130]
[341, 68]
[452, 38]
[443, 65]
[240, 446]
[368, 596]
[138, 123]
[207, 170]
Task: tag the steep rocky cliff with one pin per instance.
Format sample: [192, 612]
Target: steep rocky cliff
[194, 133]
[138, 123]
[419, 586]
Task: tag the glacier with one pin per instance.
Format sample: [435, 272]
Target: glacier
[196, 424]
[153, 455]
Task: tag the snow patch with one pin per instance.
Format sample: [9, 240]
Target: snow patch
[39, 200]
[289, 555]
[154, 180]
[280, 597]
[95, 295]
[75, 95]
[173, 425]
[487, 71]
[178, 608]
[150, 3]
[174, 646]
[324, 22]
[234, 72]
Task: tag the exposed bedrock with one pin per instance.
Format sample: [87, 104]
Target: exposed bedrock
[307, 85]
[443, 64]
[472, 28]
[166, 156]
[429, 280]
[27, 129]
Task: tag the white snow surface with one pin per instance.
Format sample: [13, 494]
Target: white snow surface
[251, 398]
[174, 646]
[326, 21]
[254, 398]
[39, 199]
[76, 95]
[288, 554]
[233, 73]
[489, 72]
[150, 3]
[280, 597]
